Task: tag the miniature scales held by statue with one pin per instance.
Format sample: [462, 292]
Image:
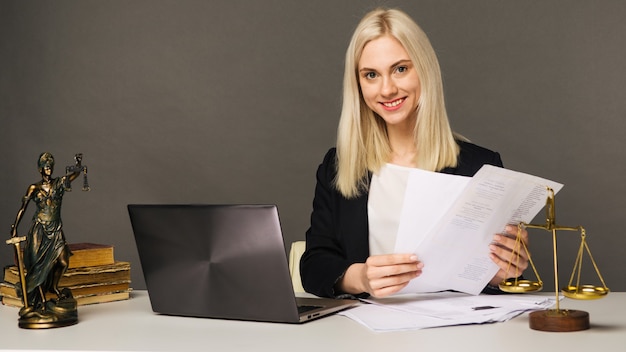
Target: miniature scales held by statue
[45, 255]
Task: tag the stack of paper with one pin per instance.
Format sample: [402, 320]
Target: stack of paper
[429, 310]
[449, 222]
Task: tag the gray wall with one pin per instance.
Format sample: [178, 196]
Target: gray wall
[237, 101]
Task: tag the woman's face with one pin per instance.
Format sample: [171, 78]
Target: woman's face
[389, 82]
[47, 169]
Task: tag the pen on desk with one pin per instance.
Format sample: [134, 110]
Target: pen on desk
[483, 307]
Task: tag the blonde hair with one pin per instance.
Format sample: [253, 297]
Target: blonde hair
[362, 141]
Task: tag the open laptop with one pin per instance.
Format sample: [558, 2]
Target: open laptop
[220, 261]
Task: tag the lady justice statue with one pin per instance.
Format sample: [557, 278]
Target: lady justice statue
[46, 254]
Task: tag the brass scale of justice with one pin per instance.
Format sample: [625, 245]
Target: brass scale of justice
[557, 320]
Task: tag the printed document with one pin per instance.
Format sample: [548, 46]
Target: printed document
[449, 222]
[429, 310]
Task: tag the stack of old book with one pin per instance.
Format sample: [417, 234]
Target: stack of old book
[93, 276]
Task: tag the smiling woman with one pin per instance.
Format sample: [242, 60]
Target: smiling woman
[387, 40]
[393, 120]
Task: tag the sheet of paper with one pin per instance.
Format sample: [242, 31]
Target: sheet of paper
[420, 311]
[429, 196]
[451, 231]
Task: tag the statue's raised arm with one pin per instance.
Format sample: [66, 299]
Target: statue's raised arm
[73, 171]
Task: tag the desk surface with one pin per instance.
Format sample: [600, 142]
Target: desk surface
[132, 326]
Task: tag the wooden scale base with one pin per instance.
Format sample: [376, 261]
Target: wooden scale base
[562, 320]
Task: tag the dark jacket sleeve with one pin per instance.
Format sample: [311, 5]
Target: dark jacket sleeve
[337, 237]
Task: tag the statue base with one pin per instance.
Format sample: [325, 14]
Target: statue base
[559, 320]
[54, 314]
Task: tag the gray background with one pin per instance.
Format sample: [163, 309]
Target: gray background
[237, 101]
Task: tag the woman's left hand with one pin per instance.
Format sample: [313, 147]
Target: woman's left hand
[511, 260]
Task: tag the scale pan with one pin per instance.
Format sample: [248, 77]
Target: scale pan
[585, 292]
[521, 286]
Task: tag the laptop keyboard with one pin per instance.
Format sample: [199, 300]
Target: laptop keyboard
[303, 309]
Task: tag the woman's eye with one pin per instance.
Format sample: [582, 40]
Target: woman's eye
[370, 75]
[402, 69]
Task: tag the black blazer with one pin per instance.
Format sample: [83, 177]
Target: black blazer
[339, 232]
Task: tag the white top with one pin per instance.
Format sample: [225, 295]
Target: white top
[384, 206]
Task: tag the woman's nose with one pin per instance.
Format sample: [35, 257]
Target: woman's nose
[389, 87]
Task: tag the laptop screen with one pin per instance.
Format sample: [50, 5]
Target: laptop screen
[222, 261]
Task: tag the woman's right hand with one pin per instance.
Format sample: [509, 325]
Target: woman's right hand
[381, 275]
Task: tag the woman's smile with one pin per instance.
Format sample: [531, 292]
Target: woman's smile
[393, 105]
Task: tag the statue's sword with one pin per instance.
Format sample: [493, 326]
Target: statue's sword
[20, 265]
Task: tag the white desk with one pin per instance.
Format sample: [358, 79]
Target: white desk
[131, 325]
